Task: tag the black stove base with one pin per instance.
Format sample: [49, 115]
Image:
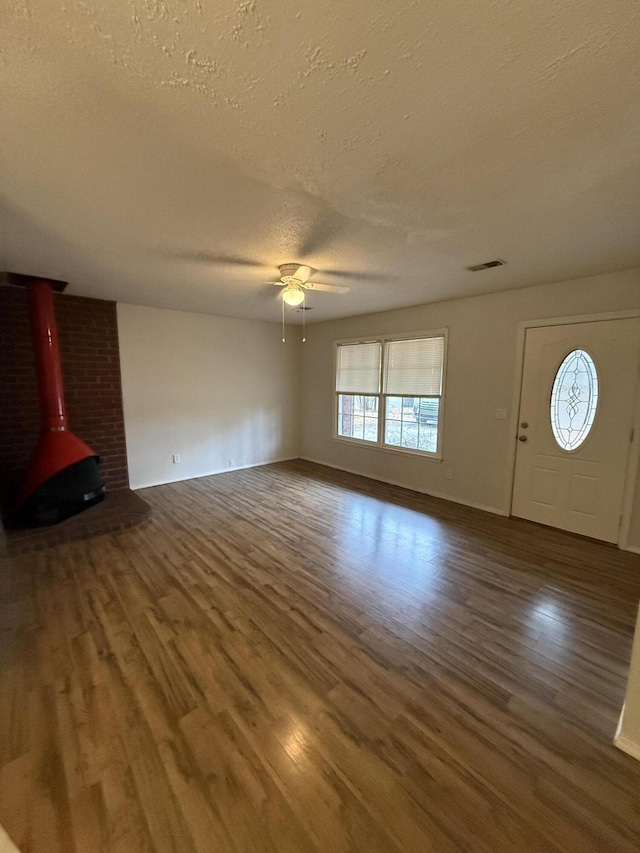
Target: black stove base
[70, 491]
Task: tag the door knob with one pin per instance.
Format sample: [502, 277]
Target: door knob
[522, 438]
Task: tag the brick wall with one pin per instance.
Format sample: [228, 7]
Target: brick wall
[88, 330]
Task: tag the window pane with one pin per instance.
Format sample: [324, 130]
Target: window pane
[358, 417]
[371, 429]
[401, 429]
[427, 411]
[414, 367]
[358, 368]
[412, 422]
[394, 408]
[410, 435]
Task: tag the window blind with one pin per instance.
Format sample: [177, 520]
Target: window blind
[414, 368]
[358, 368]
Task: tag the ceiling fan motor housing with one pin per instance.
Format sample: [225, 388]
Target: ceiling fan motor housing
[297, 271]
[295, 278]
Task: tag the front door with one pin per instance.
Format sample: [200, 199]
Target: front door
[575, 425]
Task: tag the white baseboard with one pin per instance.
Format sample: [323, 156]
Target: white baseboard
[484, 507]
[624, 743]
[627, 745]
[139, 486]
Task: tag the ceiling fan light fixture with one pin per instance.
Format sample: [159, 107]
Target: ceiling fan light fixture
[293, 295]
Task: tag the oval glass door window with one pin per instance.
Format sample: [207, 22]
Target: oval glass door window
[574, 399]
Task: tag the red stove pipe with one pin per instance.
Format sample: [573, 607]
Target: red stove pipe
[55, 485]
[46, 348]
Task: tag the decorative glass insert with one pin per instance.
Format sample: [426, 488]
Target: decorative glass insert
[574, 400]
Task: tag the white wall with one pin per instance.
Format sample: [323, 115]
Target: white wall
[480, 379]
[212, 389]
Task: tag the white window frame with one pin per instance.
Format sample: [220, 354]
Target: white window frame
[380, 445]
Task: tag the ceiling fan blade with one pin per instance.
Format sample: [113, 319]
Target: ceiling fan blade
[303, 273]
[326, 288]
[326, 227]
[361, 276]
[213, 258]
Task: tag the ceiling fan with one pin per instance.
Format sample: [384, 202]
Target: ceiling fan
[294, 278]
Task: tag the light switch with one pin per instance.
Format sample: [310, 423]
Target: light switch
[502, 414]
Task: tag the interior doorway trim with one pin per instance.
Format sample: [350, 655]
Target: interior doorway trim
[633, 462]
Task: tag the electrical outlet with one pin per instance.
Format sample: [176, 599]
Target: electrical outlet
[449, 474]
[232, 462]
[176, 457]
[502, 414]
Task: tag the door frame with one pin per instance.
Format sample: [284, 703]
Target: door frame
[633, 461]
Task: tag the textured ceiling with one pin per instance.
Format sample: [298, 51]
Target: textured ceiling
[173, 153]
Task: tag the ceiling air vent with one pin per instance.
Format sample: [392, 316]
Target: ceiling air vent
[487, 266]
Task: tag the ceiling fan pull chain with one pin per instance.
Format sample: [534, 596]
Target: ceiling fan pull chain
[284, 340]
[303, 324]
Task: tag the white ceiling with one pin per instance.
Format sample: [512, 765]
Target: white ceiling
[143, 142]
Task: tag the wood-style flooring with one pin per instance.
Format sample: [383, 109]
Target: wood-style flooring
[293, 659]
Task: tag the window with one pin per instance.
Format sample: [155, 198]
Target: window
[358, 389]
[574, 400]
[389, 392]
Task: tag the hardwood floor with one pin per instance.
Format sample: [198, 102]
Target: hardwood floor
[293, 659]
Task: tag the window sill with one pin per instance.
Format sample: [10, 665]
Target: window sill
[387, 448]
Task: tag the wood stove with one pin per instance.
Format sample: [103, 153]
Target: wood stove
[63, 477]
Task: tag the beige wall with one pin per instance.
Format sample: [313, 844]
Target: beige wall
[480, 379]
[220, 392]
